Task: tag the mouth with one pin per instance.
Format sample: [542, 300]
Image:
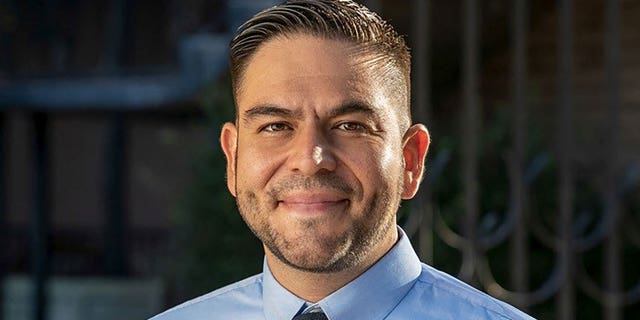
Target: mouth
[313, 203]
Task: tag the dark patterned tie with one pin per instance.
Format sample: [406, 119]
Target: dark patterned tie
[311, 316]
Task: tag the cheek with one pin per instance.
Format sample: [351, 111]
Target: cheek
[389, 160]
[255, 167]
[377, 166]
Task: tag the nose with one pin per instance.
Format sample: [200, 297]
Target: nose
[311, 153]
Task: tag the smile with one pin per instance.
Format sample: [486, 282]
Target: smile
[313, 203]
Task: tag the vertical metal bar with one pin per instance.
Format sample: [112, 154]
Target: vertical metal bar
[422, 114]
[40, 218]
[116, 262]
[471, 129]
[566, 297]
[3, 209]
[422, 58]
[116, 223]
[613, 268]
[116, 54]
[519, 252]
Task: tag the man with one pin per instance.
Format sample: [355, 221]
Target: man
[320, 156]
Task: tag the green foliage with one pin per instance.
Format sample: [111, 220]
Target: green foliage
[216, 246]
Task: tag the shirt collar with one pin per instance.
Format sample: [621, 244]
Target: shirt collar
[279, 303]
[373, 295]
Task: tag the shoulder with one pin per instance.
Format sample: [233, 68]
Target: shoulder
[241, 296]
[442, 294]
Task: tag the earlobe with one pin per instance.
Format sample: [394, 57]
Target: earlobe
[414, 150]
[229, 143]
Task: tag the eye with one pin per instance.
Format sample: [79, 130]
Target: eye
[276, 127]
[352, 127]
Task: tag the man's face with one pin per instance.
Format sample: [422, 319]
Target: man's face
[316, 157]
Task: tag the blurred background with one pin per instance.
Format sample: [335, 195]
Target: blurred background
[112, 195]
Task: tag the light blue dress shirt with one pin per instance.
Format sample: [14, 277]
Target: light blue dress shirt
[398, 286]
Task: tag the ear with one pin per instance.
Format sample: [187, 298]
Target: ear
[414, 150]
[229, 142]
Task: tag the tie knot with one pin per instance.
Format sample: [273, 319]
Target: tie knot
[313, 312]
[311, 316]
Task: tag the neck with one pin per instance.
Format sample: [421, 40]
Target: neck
[313, 286]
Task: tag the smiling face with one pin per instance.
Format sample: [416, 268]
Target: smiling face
[318, 158]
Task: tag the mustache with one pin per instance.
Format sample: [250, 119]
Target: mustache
[329, 181]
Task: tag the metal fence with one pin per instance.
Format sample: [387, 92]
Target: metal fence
[615, 230]
[117, 96]
[519, 232]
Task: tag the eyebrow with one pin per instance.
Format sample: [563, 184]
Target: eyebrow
[274, 110]
[270, 110]
[352, 107]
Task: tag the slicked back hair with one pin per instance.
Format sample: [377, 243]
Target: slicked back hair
[342, 20]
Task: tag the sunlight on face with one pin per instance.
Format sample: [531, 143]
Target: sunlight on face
[318, 162]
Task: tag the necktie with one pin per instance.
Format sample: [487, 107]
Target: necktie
[311, 316]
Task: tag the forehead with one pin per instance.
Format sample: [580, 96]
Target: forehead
[299, 68]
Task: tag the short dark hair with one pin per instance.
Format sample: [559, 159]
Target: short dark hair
[329, 19]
